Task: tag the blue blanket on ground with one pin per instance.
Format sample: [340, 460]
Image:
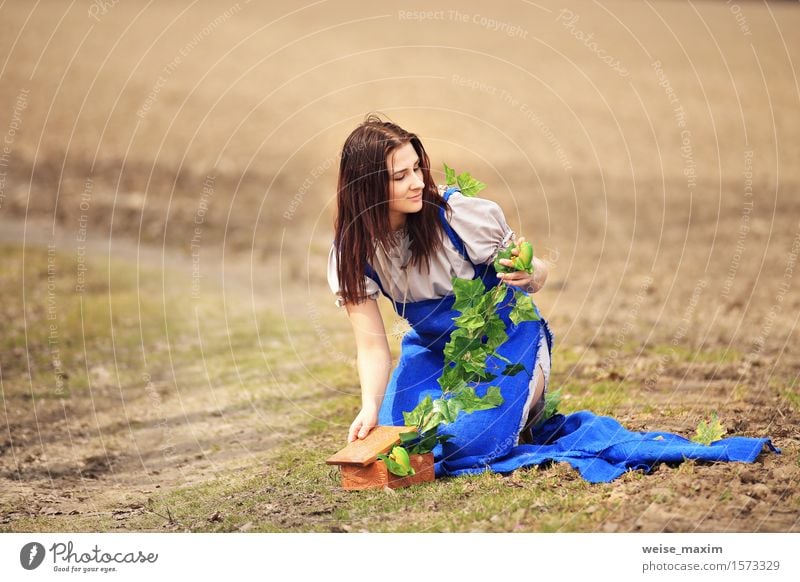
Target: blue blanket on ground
[601, 449]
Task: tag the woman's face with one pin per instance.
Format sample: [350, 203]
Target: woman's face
[405, 184]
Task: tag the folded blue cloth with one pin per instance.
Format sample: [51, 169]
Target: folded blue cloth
[601, 449]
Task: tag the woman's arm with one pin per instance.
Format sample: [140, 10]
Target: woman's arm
[539, 275]
[374, 361]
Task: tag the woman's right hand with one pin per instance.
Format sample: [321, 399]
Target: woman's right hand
[366, 420]
[530, 283]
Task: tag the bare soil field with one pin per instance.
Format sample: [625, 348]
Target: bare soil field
[170, 352]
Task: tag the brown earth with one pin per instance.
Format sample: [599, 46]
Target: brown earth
[666, 199]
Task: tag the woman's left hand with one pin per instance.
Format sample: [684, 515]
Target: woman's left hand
[529, 282]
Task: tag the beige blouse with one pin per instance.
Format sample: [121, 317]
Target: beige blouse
[479, 223]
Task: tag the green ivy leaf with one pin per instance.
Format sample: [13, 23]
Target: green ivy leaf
[452, 379]
[432, 421]
[470, 321]
[495, 331]
[524, 309]
[499, 293]
[474, 362]
[488, 377]
[513, 369]
[468, 292]
[448, 409]
[551, 402]
[708, 432]
[425, 445]
[449, 175]
[408, 437]
[416, 416]
[494, 396]
[396, 468]
[470, 402]
[468, 185]
[483, 375]
[459, 345]
[428, 441]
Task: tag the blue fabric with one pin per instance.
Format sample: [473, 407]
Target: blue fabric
[599, 447]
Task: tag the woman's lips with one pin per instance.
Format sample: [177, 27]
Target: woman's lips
[416, 198]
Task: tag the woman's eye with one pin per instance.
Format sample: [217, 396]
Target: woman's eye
[400, 177]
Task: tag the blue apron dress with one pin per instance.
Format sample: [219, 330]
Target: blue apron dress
[483, 437]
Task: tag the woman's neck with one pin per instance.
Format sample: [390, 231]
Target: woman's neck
[397, 223]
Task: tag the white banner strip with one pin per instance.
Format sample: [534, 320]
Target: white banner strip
[251, 556]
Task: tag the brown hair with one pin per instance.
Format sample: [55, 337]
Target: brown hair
[362, 218]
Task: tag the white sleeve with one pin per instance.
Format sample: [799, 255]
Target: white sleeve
[482, 226]
[373, 290]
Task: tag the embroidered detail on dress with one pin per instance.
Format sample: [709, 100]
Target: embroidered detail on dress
[400, 328]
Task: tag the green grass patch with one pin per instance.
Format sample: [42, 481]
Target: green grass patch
[65, 334]
[564, 358]
[604, 397]
[143, 321]
[787, 390]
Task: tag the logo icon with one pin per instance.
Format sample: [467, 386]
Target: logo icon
[31, 555]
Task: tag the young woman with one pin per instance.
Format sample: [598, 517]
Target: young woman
[396, 233]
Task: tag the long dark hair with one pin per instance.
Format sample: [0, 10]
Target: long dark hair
[362, 218]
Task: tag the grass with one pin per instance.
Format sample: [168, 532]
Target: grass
[786, 389]
[604, 397]
[62, 330]
[682, 353]
[298, 493]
